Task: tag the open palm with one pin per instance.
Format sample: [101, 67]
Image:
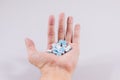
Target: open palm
[68, 61]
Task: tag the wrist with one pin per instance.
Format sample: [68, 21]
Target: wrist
[56, 74]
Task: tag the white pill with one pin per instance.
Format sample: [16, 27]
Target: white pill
[58, 46]
[53, 45]
[68, 48]
[49, 51]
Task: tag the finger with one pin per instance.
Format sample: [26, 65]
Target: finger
[76, 37]
[30, 46]
[51, 32]
[69, 32]
[61, 27]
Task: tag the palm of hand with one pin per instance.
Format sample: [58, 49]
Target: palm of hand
[68, 61]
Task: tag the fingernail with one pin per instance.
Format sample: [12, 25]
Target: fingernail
[61, 16]
[70, 19]
[51, 19]
[26, 40]
[77, 27]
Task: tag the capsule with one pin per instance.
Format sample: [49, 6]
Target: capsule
[49, 51]
[68, 48]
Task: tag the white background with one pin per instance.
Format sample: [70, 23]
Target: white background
[100, 36]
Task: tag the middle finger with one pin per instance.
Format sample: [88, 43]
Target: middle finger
[61, 27]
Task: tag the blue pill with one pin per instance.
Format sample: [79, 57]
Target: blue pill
[62, 42]
[59, 48]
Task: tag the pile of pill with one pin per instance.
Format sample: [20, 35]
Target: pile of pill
[60, 48]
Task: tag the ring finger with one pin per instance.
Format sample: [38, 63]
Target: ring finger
[61, 27]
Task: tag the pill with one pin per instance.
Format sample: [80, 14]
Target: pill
[49, 51]
[60, 48]
[68, 48]
[62, 42]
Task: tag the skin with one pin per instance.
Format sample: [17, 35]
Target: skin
[54, 67]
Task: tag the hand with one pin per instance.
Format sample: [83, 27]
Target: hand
[49, 63]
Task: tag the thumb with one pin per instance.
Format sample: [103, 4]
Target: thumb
[30, 46]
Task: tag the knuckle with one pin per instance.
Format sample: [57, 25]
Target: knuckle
[76, 36]
[30, 58]
[77, 27]
[61, 30]
[69, 33]
[68, 38]
[61, 36]
[51, 33]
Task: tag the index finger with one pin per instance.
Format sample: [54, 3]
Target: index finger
[51, 32]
